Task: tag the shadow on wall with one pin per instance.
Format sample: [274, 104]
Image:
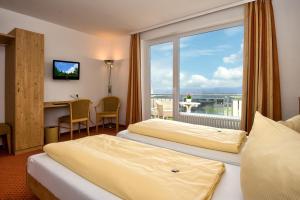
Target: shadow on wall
[2, 83]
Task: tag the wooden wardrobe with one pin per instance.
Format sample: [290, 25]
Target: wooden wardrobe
[24, 89]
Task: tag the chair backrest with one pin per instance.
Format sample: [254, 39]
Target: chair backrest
[160, 109]
[80, 109]
[110, 104]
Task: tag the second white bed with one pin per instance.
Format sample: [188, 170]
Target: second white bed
[229, 158]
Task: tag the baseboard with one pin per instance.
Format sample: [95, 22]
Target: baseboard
[28, 150]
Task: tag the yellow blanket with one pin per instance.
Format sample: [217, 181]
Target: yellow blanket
[138, 171]
[227, 140]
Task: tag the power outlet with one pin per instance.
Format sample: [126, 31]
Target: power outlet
[75, 96]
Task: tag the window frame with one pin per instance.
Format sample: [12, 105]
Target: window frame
[146, 65]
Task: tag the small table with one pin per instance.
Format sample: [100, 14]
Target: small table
[56, 104]
[189, 105]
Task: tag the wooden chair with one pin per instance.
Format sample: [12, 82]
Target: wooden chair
[108, 107]
[6, 130]
[164, 110]
[79, 112]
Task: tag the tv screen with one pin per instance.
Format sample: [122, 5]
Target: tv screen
[66, 70]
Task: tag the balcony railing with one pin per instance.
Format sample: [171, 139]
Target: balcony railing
[227, 105]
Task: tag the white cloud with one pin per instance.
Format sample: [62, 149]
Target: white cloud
[223, 77]
[235, 57]
[181, 76]
[210, 83]
[72, 69]
[232, 58]
[200, 81]
[161, 74]
[228, 73]
[198, 78]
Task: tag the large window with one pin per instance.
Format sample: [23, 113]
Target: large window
[211, 69]
[205, 66]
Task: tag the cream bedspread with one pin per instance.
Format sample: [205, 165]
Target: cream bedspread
[138, 171]
[227, 140]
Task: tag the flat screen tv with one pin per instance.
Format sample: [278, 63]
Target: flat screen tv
[66, 70]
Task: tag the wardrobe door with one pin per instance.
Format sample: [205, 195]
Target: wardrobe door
[29, 90]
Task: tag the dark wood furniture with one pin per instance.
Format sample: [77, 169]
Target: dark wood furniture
[6, 130]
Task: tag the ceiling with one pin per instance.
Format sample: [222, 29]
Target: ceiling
[110, 16]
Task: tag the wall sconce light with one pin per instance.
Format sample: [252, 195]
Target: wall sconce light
[109, 64]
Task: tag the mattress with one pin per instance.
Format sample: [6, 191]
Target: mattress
[62, 182]
[65, 184]
[229, 158]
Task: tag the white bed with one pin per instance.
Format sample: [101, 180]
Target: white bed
[229, 158]
[65, 184]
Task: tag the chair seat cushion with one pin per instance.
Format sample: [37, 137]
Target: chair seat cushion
[107, 114]
[66, 119]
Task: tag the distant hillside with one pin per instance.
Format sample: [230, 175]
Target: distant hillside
[219, 90]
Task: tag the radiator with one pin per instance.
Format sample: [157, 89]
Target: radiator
[209, 120]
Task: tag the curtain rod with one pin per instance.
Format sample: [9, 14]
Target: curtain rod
[224, 7]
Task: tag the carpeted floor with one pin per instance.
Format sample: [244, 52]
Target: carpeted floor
[13, 170]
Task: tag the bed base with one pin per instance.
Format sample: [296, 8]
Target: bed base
[39, 190]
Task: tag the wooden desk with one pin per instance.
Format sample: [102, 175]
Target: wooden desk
[56, 104]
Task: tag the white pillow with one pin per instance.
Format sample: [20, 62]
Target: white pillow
[293, 123]
[270, 162]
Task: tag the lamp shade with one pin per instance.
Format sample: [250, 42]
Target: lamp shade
[109, 62]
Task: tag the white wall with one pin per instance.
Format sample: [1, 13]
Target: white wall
[287, 17]
[120, 72]
[67, 44]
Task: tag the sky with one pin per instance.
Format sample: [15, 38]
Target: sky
[66, 67]
[209, 63]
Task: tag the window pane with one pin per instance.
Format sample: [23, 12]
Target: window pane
[161, 80]
[211, 72]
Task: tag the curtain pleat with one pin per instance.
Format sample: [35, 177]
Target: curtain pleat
[134, 100]
[261, 83]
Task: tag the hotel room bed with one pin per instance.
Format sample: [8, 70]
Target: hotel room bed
[65, 184]
[229, 158]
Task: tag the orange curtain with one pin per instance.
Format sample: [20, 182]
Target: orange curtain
[134, 99]
[261, 84]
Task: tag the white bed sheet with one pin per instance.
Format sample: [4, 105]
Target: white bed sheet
[67, 185]
[62, 182]
[230, 158]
